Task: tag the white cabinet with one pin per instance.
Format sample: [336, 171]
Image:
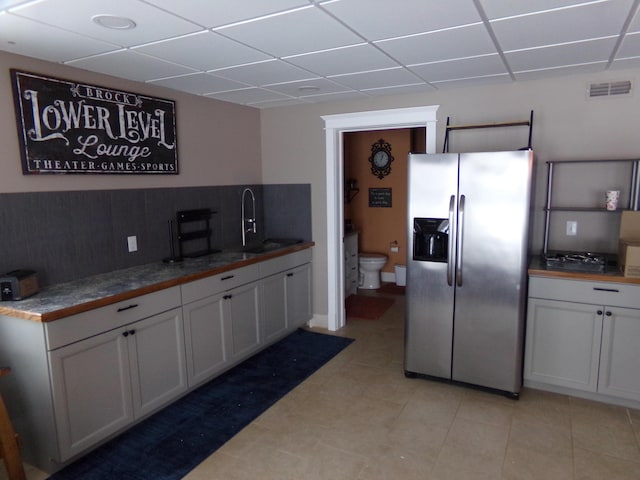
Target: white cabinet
[298, 293]
[221, 316]
[620, 354]
[351, 278]
[230, 316]
[242, 310]
[274, 307]
[583, 336]
[563, 344]
[205, 334]
[89, 376]
[102, 383]
[285, 295]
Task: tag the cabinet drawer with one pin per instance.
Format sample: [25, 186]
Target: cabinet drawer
[598, 293]
[204, 287]
[83, 325]
[280, 264]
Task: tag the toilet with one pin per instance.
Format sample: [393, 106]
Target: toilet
[370, 265]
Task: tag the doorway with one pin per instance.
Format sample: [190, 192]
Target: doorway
[335, 127]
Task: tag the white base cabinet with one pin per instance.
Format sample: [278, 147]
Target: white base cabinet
[583, 337]
[83, 379]
[620, 353]
[104, 383]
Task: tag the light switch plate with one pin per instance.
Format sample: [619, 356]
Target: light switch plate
[132, 243]
[572, 228]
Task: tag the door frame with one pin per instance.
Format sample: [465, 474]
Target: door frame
[335, 126]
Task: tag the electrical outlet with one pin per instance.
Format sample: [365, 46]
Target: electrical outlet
[132, 243]
[572, 228]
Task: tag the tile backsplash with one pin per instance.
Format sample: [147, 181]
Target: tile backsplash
[70, 235]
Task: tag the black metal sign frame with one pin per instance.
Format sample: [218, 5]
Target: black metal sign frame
[380, 197]
[70, 127]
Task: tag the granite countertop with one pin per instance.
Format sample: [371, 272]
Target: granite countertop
[538, 268]
[65, 299]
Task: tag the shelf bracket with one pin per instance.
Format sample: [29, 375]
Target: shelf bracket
[449, 128]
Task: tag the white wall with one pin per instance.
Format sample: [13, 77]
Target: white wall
[567, 125]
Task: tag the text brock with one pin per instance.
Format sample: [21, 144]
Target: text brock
[56, 120]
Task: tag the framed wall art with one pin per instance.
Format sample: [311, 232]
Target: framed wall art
[71, 127]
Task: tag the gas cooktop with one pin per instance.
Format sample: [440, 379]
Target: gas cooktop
[577, 261]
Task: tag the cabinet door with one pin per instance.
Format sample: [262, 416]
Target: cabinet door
[205, 338]
[620, 356]
[243, 309]
[274, 314]
[91, 391]
[563, 343]
[157, 358]
[299, 296]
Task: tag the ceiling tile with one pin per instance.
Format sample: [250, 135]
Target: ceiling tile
[499, 8]
[203, 51]
[564, 70]
[249, 95]
[473, 82]
[151, 23]
[630, 46]
[562, 26]
[265, 73]
[300, 31]
[215, 13]
[24, 37]
[468, 41]
[131, 65]
[303, 87]
[559, 55]
[358, 58]
[382, 19]
[624, 63]
[400, 90]
[463, 68]
[199, 83]
[335, 97]
[378, 79]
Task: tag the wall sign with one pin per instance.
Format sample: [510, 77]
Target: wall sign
[69, 127]
[379, 197]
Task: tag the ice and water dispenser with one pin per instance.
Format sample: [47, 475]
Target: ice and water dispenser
[430, 239]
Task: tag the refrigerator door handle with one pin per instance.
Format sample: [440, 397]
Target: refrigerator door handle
[452, 205]
[460, 239]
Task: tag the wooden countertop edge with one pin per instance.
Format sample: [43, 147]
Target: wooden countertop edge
[102, 302]
[583, 276]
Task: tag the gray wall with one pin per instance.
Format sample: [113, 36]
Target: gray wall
[70, 235]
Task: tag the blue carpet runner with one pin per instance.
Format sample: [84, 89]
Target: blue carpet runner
[172, 442]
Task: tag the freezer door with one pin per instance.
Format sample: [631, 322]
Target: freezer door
[433, 181]
[495, 195]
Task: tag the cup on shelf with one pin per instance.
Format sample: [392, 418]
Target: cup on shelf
[612, 197]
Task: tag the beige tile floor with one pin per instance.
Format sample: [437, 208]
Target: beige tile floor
[359, 418]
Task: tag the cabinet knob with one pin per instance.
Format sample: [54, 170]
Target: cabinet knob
[289, 274]
[599, 312]
[132, 332]
[608, 314]
[125, 334]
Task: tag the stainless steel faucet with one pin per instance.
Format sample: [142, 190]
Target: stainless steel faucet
[248, 224]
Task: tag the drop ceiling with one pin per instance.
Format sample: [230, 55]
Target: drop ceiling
[266, 53]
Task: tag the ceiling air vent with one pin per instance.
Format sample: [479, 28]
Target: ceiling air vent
[610, 88]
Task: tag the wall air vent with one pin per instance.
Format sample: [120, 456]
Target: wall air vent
[610, 88]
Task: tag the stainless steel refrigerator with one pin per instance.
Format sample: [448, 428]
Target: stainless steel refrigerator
[469, 217]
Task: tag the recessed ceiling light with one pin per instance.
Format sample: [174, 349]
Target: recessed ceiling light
[114, 22]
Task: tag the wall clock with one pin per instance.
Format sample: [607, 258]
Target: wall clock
[381, 159]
